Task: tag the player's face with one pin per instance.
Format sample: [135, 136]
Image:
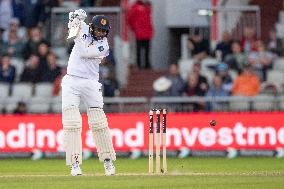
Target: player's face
[100, 32]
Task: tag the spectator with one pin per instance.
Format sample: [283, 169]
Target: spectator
[13, 46]
[53, 70]
[14, 27]
[224, 47]
[177, 86]
[198, 46]
[6, 13]
[31, 46]
[227, 81]
[216, 90]
[261, 60]
[21, 108]
[7, 71]
[192, 88]
[140, 21]
[247, 83]
[237, 59]
[274, 43]
[202, 80]
[43, 50]
[32, 71]
[248, 40]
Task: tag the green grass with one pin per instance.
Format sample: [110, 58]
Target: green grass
[197, 173]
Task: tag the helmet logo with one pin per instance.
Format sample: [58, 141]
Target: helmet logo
[103, 21]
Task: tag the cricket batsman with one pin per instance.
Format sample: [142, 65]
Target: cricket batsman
[81, 83]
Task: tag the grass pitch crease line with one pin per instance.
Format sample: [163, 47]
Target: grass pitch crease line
[147, 174]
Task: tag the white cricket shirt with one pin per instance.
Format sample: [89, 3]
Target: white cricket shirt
[86, 56]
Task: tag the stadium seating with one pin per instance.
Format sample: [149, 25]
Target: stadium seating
[22, 90]
[209, 62]
[10, 103]
[60, 53]
[19, 65]
[4, 88]
[280, 25]
[208, 73]
[263, 102]
[43, 89]
[276, 77]
[281, 102]
[56, 104]
[39, 104]
[2, 105]
[239, 105]
[184, 67]
[62, 62]
[186, 64]
[278, 64]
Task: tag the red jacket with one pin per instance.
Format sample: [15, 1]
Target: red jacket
[140, 21]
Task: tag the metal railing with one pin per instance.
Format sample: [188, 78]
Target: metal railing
[173, 104]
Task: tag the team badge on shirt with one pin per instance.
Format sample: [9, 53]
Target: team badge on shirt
[101, 48]
[103, 21]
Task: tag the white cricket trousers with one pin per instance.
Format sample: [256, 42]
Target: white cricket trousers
[75, 89]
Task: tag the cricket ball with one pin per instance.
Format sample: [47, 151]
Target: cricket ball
[213, 122]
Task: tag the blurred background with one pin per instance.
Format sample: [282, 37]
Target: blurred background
[202, 60]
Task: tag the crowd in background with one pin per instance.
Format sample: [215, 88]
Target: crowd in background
[250, 58]
[24, 40]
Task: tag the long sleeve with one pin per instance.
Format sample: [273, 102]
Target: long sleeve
[10, 77]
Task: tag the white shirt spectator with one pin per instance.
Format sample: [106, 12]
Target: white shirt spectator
[14, 25]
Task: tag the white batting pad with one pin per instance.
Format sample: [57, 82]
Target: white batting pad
[99, 126]
[72, 127]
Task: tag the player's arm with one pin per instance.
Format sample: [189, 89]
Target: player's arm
[76, 21]
[100, 52]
